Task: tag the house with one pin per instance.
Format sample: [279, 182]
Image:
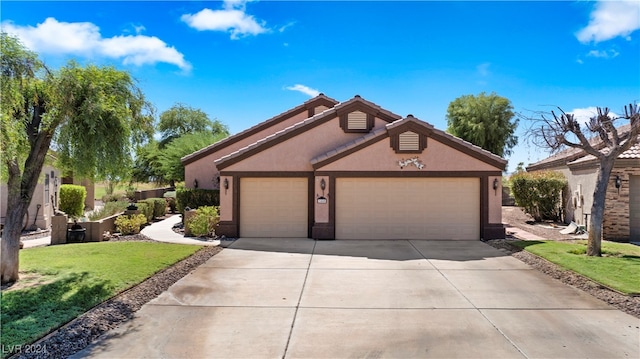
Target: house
[43, 203]
[621, 220]
[350, 170]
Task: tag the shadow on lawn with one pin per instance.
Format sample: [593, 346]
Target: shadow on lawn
[31, 313]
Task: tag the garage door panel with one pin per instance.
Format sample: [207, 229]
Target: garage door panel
[407, 208]
[273, 207]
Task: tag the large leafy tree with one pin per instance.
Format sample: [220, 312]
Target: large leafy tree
[603, 140]
[181, 119]
[183, 130]
[484, 120]
[169, 157]
[91, 115]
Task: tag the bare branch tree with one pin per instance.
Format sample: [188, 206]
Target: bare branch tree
[604, 141]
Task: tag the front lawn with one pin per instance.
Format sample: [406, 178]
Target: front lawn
[58, 283]
[618, 267]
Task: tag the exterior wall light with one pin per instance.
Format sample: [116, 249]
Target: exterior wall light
[323, 184]
[495, 185]
[226, 183]
[618, 183]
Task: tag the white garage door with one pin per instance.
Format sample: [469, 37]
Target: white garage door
[408, 208]
[273, 207]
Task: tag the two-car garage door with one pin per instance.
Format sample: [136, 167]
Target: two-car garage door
[407, 208]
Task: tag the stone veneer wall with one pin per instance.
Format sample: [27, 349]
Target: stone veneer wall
[615, 226]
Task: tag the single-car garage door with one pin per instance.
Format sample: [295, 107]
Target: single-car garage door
[408, 208]
[273, 207]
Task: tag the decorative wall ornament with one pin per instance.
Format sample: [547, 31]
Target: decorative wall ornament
[415, 161]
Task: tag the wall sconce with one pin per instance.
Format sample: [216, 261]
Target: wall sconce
[226, 183]
[618, 183]
[495, 185]
[195, 183]
[323, 185]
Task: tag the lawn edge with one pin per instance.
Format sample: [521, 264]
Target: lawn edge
[85, 328]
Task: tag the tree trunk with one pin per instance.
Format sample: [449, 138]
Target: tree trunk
[594, 243]
[9, 260]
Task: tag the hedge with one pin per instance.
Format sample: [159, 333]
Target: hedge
[146, 210]
[72, 199]
[204, 222]
[539, 193]
[195, 198]
[158, 206]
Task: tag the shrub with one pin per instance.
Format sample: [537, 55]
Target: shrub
[204, 222]
[72, 199]
[130, 224]
[111, 198]
[109, 209]
[195, 198]
[158, 206]
[170, 197]
[131, 194]
[146, 210]
[539, 193]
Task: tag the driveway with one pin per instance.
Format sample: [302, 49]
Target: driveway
[299, 298]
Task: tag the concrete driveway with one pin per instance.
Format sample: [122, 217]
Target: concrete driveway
[299, 298]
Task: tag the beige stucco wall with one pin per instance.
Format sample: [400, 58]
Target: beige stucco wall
[226, 199]
[495, 200]
[584, 179]
[204, 169]
[381, 157]
[296, 153]
[322, 209]
[43, 219]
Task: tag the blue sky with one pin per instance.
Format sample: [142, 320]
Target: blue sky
[243, 62]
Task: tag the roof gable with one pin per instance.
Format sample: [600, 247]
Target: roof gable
[308, 106]
[356, 103]
[409, 123]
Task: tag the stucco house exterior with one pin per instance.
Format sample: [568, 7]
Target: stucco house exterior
[44, 201]
[622, 205]
[350, 170]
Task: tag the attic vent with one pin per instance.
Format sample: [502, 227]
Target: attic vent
[357, 120]
[409, 141]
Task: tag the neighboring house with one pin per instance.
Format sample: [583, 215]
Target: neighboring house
[350, 170]
[43, 203]
[622, 205]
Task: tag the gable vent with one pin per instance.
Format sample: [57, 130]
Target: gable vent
[357, 120]
[409, 141]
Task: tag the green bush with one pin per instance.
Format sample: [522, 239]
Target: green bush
[109, 209]
[539, 193]
[130, 224]
[195, 198]
[131, 194]
[204, 222]
[158, 206]
[146, 210]
[72, 199]
[170, 197]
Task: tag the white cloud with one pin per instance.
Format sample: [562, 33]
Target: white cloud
[304, 89]
[583, 115]
[611, 19]
[605, 54]
[84, 39]
[232, 18]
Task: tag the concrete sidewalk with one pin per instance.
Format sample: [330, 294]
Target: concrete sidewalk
[299, 298]
[162, 231]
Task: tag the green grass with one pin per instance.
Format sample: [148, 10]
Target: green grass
[618, 268]
[58, 283]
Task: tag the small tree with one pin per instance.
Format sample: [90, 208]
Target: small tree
[485, 121]
[171, 166]
[92, 115]
[539, 193]
[181, 119]
[564, 130]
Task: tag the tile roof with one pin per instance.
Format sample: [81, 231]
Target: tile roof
[233, 138]
[578, 155]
